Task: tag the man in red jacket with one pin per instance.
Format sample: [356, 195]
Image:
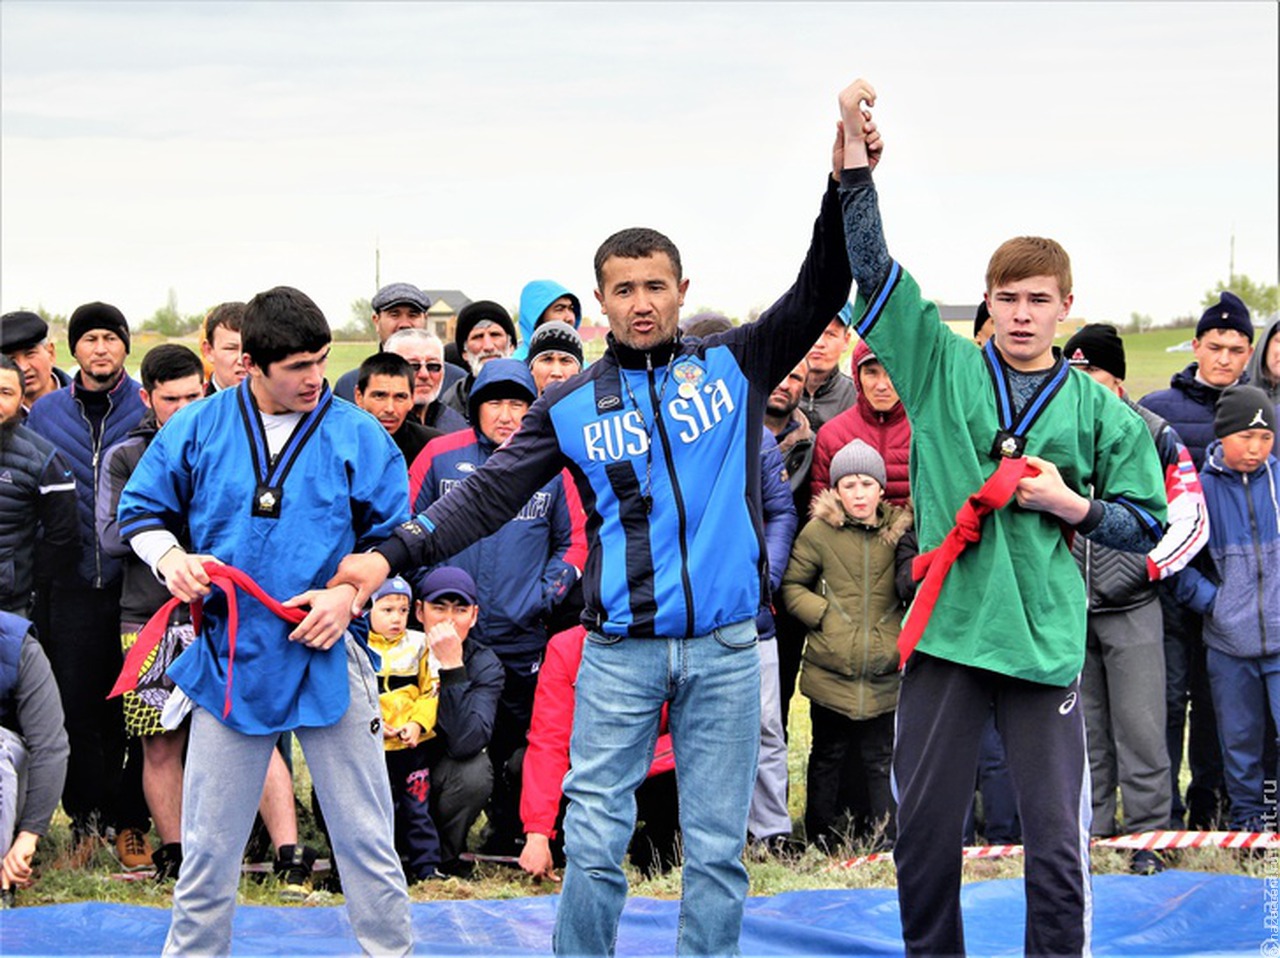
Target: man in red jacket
[878, 419]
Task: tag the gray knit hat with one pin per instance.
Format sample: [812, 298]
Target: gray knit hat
[555, 337]
[857, 459]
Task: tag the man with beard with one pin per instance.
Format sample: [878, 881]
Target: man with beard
[484, 332]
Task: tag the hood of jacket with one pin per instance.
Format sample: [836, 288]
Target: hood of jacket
[499, 378]
[891, 521]
[536, 297]
[1257, 368]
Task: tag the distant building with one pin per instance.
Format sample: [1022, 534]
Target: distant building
[443, 314]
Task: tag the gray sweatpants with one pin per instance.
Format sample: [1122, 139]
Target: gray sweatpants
[769, 815]
[1123, 691]
[221, 786]
[13, 760]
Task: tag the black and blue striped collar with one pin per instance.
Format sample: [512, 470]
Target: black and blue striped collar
[272, 472]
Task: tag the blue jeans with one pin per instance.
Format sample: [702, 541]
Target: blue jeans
[1243, 690]
[712, 685]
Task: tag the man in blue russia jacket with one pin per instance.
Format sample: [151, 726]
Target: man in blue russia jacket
[521, 571]
[663, 438]
[77, 614]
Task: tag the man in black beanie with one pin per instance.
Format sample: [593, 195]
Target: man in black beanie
[1222, 345]
[484, 331]
[555, 354]
[77, 613]
[1124, 679]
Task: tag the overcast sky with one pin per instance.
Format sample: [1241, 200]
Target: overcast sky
[222, 148]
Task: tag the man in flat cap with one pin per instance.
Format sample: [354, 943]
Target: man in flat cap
[24, 338]
[396, 306]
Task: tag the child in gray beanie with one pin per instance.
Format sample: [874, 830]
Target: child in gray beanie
[848, 581]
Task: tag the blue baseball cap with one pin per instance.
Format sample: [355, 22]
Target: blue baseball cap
[446, 580]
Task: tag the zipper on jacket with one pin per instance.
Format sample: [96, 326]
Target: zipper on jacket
[1257, 554]
[866, 622]
[675, 489]
[97, 452]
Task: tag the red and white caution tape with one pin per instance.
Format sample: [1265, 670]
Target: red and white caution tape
[1154, 841]
[1151, 841]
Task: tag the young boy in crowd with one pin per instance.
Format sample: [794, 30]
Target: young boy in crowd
[408, 691]
[842, 583]
[1024, 455]
[1241, 611]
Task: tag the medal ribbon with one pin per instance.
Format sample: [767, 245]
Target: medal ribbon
[1019, 425]
[933, 566]
[228, 579]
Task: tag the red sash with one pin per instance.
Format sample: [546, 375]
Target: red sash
[933, 566]
[225, 577]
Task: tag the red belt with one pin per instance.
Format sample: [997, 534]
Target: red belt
[228, 579]
[933, 566]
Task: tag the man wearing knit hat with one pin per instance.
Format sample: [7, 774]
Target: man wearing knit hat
[1222, 345]
[484, 331]
[555, 354]
[24, 338]
[1124, 680]
[78, 613]
[1238, 598]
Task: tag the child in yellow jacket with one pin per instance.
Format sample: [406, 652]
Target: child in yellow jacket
[408, 687]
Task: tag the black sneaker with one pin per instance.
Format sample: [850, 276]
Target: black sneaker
[168, 861]
[1146, 862]
[292, 869]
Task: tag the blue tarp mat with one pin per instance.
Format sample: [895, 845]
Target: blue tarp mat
[1176, 913]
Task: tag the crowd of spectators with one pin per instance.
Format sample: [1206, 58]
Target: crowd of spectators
[476, 657]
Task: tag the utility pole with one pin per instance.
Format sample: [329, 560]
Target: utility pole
[377, 260]
[1231, 269]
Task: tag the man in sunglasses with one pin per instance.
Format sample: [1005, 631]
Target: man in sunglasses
[425, 354]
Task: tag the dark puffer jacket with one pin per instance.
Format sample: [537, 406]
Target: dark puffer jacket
[37, 494]
[60, 418]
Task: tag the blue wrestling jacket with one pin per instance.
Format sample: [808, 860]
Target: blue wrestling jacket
[664, 446]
